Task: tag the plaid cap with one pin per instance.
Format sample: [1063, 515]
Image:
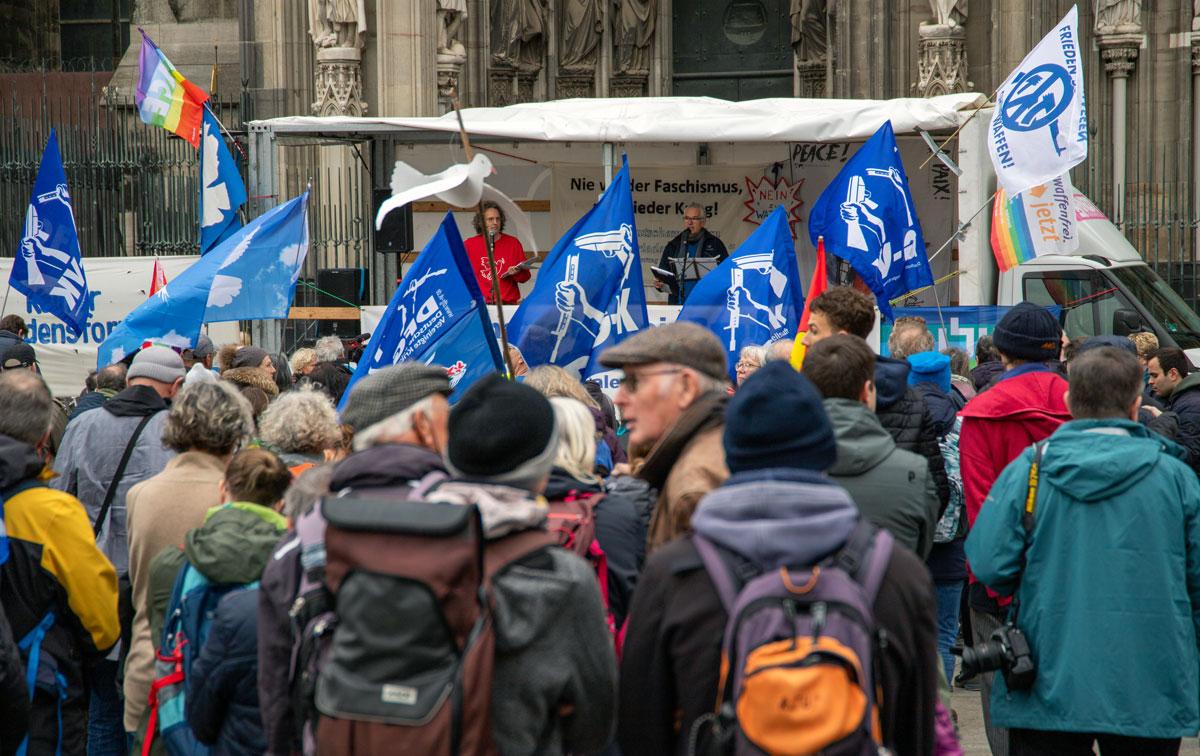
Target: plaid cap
[18, 356]
[394, 389]
[680, 343]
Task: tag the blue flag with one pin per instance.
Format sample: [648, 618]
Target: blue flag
[47, 268]
[589, 293]
[437, 316]
[754, 296]
[221, 189]
[249, 276]
[868, 219]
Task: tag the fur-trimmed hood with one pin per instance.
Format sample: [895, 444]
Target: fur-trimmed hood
[252, 376]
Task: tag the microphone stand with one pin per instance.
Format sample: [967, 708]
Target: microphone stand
[489, 243]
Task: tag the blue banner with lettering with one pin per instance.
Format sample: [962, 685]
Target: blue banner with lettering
[589, 294]
[437, 316]
[754, 296]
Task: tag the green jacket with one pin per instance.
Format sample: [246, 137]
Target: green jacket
[1110, 597]
[893, 488]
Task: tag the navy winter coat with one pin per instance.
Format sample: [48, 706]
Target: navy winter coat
[902, 411]
[223, 685]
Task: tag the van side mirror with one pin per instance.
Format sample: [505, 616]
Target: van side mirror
[1125, 322]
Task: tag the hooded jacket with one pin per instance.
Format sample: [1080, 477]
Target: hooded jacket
[386, 470]
[619, 531]
[54, 566]
[1184, 402]
[553, 647]
[232, 546]
[671, 660]
[904, 415]
[685, 464]
[1110, 594]
[892, 487]
[252, 376]
[89, 454]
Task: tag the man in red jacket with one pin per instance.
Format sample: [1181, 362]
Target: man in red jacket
[508, 253]
[1025, 406]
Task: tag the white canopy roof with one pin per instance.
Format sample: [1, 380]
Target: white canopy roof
[667, 119]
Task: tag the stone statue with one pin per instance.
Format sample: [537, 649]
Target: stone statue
[633, 34]
[808, 29]
[1118, 16]
[337, 23]
[949, 12]
[581, 31]
[519, 33]
[1195, 15]
[451, 14]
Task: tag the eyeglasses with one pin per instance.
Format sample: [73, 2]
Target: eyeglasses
[744, 365]
[692, 218]
[631, 379]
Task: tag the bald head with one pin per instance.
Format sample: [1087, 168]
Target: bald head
[25, 406]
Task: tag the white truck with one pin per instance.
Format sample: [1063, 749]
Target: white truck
[740, 159]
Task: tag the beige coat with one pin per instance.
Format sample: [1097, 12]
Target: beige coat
[160, 512]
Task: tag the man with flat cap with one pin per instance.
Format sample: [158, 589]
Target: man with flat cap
[672, 401]
[400, 418]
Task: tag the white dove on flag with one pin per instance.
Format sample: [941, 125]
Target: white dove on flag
[460, 185]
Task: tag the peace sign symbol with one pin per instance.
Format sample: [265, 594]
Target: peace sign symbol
[1037, 98]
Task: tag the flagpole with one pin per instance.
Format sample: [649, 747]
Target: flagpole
[964, 225]
[942, 146]
[489, 244]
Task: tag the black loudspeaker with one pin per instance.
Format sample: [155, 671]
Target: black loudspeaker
[341, 287]
[396, 234]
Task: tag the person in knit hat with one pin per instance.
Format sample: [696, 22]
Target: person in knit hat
[1025, 405]
[777, 509]
[556, 650]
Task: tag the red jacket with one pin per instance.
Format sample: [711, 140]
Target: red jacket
[508, 252]
[1002, 422]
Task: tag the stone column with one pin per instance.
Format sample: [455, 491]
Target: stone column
[339, 82]
[942, 65]
[810, 78]
[1196, 132]
[1119, 52]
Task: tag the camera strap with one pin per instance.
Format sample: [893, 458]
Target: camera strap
[1027, 515]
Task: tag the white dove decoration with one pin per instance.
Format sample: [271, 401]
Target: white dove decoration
[460, 185]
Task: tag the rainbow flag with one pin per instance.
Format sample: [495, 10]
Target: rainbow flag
[165, 98]
[1038, 221]
[816, 287]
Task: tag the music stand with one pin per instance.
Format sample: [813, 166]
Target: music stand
[691, 270]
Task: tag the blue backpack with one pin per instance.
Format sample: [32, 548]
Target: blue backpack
[189, 615]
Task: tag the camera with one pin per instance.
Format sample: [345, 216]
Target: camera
[1006, 650]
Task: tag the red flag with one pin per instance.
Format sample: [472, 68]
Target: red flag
[816, 287]
[158, 279]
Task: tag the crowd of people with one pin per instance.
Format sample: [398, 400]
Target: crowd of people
[200, 552]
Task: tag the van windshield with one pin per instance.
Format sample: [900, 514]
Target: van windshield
[1167, 307]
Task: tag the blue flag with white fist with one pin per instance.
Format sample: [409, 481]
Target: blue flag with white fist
[437, 316]
[249, 276]
[589, 294]
[868, 219]
[754, 296]
[48, 269]
[222, 191]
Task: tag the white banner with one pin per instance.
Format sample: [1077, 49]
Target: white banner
[1039, 128]
[117, 285]
[736, 199]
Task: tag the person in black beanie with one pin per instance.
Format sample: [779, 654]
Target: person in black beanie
[1025, 405]
[776, 509]
[554, 650]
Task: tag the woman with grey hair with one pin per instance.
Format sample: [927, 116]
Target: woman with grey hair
[206, 424]
[620, 530]
[300, 426]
